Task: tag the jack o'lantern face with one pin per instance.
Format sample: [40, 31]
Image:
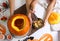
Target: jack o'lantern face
[19, 24]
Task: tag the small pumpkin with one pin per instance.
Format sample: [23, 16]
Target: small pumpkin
[2, 29]
[54, 18]
[19, 24]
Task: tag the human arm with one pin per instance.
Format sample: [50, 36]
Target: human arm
[49, 9]
[30, 5]
[12, 5]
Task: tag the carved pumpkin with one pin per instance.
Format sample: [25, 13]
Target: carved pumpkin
[54, 18]
[19, 24]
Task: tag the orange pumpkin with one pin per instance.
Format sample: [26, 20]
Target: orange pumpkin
[54, 18]
[19, 24]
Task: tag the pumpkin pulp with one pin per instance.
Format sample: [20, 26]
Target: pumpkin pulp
[19, 23]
